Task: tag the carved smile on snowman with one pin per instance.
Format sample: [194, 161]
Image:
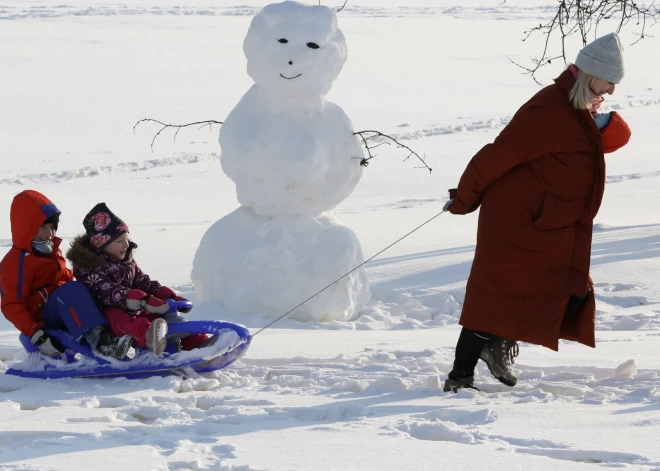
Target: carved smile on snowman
[290, 78]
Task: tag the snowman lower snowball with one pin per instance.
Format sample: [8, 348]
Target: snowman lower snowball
[293, 156]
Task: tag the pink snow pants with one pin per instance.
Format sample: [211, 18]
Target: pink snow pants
[123, 323]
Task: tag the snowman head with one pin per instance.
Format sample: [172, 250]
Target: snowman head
[294, 50]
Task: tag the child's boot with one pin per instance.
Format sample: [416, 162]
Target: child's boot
[156, 337]
[111, 346]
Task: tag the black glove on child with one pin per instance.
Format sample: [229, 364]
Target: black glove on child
[46, 344]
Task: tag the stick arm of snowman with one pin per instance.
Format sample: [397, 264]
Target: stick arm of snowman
[370, 136]
[174, 126]
[342, 7]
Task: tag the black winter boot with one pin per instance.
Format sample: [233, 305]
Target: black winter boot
[454, 385]
[468, 348]
[499, 354]
[111, 346]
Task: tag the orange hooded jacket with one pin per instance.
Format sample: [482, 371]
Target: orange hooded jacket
[26, 279]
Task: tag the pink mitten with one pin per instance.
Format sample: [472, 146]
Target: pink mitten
[138, 300]
[165, 293]
[156, 305]
[134, 299]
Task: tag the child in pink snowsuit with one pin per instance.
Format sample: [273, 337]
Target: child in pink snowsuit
[132, 303]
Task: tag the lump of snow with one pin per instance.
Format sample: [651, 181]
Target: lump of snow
[431, 382]
[628, 323]
[383, 357]
[461, 417]
[250, 264]
[326, 413]
[438, 431]
[354, 386]
[560, 390]
[82, 420]
[207, 401]
[627, 369]
[389, 384]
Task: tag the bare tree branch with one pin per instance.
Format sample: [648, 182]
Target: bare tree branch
[583, 17]
[341, 8]
[368, 136]
[174, 126]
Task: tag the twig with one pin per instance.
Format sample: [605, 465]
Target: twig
[341, 8]
[369, 135]
[584, 17]
[177, 126]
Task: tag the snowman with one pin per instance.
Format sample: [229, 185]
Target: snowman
[293, 157]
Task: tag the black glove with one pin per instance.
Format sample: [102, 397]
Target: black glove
[453, 194]
[46, 344]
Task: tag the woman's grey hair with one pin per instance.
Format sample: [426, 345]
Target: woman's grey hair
[580, 95]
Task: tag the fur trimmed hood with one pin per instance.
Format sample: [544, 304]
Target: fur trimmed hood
[83, 256]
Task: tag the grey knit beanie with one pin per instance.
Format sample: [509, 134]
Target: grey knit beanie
[603, 58]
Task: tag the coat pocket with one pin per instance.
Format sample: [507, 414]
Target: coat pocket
[557, 213]
[36, 301]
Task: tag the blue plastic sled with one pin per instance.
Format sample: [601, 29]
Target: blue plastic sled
[79, 361]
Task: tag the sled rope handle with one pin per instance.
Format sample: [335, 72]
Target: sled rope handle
[345, 275]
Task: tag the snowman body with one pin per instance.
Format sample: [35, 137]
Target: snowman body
[289, 160]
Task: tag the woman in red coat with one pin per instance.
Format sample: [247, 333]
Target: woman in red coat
[539, 186]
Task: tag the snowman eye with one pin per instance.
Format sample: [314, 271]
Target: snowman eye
[283, 41]
[313, 45]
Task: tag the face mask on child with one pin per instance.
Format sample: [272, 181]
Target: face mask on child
[42, 247]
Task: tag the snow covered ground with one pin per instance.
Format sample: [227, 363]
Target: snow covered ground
[366, 394]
